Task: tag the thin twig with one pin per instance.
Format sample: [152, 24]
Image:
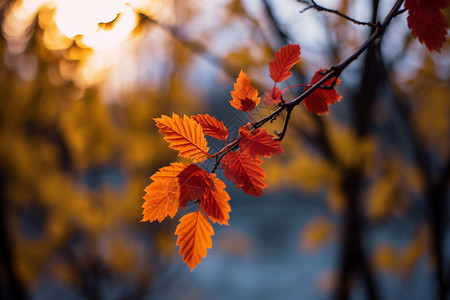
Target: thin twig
[230, 147]
[332, 11]
[286, 122]
[216, 164]
[401, 11]
[306, 8]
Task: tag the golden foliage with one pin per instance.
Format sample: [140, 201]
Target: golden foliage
[401, 261]
[316, 234]
[351, 150]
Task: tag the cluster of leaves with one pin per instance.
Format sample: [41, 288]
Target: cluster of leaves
[176, 185]
[241, 158]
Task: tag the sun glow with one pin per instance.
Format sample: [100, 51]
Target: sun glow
[108, 39]
[82, 17]
[105, 28]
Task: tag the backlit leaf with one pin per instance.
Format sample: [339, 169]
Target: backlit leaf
[212, 127]
[260, 143]
[194, 237]
[184, 135]
[163, 194]
[193, 182]
[173, 187]
[319, 100]
[215, 202]
[245, 171]
[245, 96]
[427, 22]
[283, 61]
[244, 130]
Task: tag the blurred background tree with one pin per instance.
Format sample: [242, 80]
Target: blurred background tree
[358, 206]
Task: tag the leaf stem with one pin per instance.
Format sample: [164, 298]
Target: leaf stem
[297, 85]
[227, 147]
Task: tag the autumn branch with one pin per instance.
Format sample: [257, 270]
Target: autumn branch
[241, 157]
[333, 72]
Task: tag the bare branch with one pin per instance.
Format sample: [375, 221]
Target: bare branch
[321, 8]
[306, 8]
[401, 11]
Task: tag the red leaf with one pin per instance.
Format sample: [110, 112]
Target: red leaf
[319, 100]
[193, 182]
[260, 143]
[283, 61]
[245, 171]
[194, 237]
[184, 135]
[212, 127]
[245, 96]
[215, 202]
[272, 96]
[427, 22]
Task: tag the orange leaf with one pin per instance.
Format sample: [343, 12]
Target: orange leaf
[273, 96]
[427, 22]
[283, 61]
[319, 100]
[162, 196]
[173, 187]
[212, 127]
[244, 130]
[184, 135]
[246, 172]
[215, 202]
[194, 237]
[260, 143]
[245, 96]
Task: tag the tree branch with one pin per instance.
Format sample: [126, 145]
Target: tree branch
[333, 72]
[321, 8]
[336, 70]
[286, 122]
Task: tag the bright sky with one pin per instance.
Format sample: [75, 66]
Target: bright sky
[83, 16]
[107, 27]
